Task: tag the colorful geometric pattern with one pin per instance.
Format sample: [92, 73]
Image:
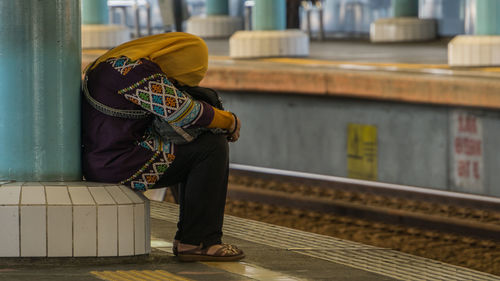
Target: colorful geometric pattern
[151, 172]
[123, 64]
[158, 95]
[154, 143]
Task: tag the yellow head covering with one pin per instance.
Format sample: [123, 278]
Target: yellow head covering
[181, 56]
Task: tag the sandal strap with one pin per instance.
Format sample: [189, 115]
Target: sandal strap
[227, 250]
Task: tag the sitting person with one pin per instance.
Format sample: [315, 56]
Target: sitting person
[141, 130]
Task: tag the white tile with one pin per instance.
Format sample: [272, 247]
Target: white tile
[157, 194]
[107, 230]
[33, 231]
[84, 231]
[118, 195]
[147, 226]
[52, 183]
[59, 231]
[101, 196]
[10, 195]
[125, 230]
[32, 183]
[32, 195]
[140, 229]
[9, 231]
[13, 183]
[80, 195]
[131, 195]
[57, 195]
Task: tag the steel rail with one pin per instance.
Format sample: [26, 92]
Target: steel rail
[383, 214]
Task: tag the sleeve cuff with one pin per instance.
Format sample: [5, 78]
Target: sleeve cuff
[222, 119]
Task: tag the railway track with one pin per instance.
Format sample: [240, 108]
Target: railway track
[447, 212]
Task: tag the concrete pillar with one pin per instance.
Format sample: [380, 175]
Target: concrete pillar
[217, 7]
[40, 59]
[269, 15]
[95, 12]
[97, 32]
[404, 26]
[487, 17]
[404, 8]
[269, 37]
[483, 48]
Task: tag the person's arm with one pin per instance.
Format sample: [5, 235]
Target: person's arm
[159, 96]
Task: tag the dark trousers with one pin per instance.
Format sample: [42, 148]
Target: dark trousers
[202, 168]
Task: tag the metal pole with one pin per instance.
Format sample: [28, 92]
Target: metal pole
[40, 64]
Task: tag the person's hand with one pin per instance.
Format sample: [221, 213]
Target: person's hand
[235, 129]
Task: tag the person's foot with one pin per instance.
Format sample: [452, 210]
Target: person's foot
[175, 247]
[218, 252]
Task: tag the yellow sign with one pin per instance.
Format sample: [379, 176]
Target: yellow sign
[362, 151]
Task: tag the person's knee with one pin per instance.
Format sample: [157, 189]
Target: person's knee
[215, 143]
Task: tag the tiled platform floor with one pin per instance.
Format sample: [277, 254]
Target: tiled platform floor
[273, 253]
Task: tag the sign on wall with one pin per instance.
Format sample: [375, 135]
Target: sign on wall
[467, 171]
[362, 151]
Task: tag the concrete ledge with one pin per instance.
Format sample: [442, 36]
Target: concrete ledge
[214, 26]
[104, 35]
[73, 219]
[402, 30]
[411, 83]
[474, 50]
[388, 83]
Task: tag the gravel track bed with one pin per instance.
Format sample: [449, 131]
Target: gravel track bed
[478, 254]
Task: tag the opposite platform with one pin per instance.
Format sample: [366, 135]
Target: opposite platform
[409, 73]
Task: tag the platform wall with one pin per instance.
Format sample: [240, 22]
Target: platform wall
[310, 134]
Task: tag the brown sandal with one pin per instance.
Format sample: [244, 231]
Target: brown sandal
[225, 253]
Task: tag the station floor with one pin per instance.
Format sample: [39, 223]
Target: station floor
[272, 253]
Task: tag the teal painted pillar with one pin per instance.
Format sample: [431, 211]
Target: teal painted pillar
[404, 8]
[217, 7]
[95, 12]
[269, 15]
[40, 65]
[487, 17]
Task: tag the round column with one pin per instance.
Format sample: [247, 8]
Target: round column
[95, 12]
[269, 15]
[270, 38]
[217, 7]
[404, 26]
[217, 23]
[404, 8]
[97, 33]
[487, 17]
[40, 59]
[482, 48]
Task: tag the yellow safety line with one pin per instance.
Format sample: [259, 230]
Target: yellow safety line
[304, 61]
[170, 275]
[251, 271]
[126, 274]
[108, 275]
[138, 275]
[143, 276]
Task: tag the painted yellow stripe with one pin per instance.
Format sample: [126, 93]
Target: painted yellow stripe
[138, 275]
[305, 61]
[170, 275]
[251, 271]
